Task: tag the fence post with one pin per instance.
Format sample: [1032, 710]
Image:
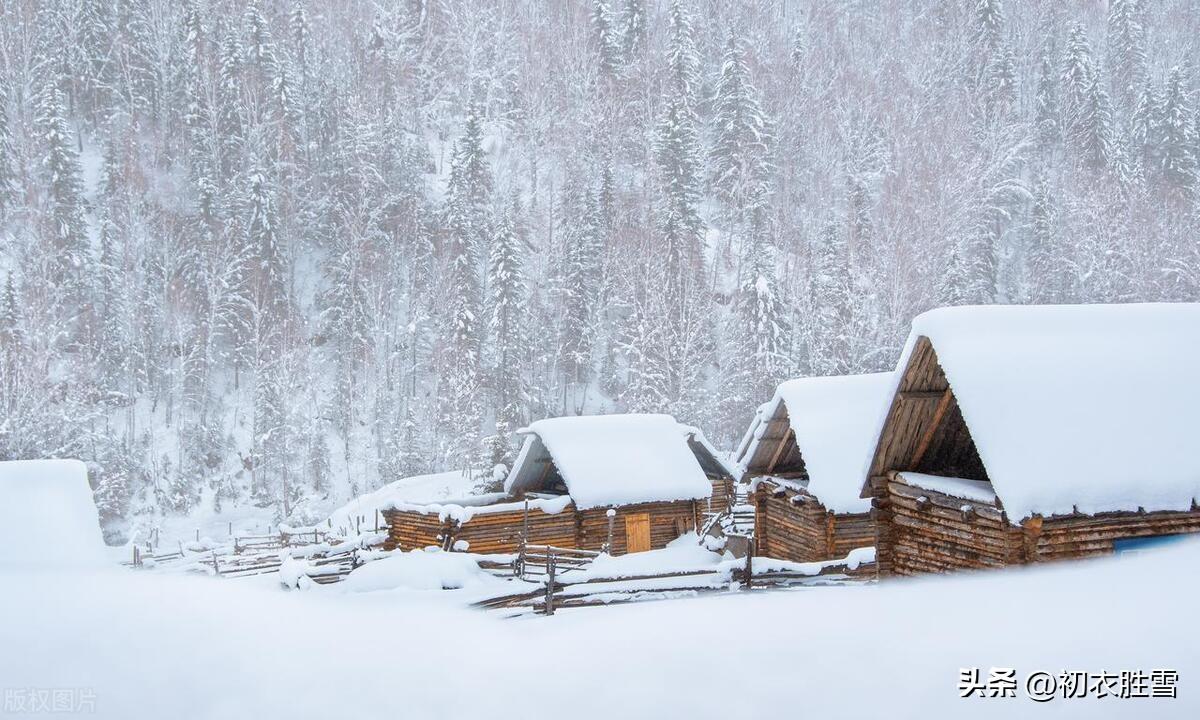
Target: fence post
[749, 572]
[519, 563]
[135, 556]
[550, 568]
[612, 516]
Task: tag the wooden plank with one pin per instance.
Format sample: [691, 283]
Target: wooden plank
[927, 439]
[779, 449]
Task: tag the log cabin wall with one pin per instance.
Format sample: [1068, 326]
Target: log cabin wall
[925, 531]
[793, 525]
[409, 530]
[500, 532]
[1080, 536]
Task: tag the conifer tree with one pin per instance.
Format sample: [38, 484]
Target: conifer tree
[136, 68]
[93, 25]
[1126, 44]
[633, 29]
[607, 42]
[66, 230]
[1174, 142]
[738, 161]
[1047, 116]
[507, 330]
[8, 163]
[467, 224]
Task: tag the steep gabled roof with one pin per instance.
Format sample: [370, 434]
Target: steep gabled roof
[1091, 408]
[612, 460]
[829, 424]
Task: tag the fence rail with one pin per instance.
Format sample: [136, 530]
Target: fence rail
[559, 591]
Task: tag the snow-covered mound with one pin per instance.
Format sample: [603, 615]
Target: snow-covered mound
[683, 554]
[419, 570]
[417, 490]
[47, 516]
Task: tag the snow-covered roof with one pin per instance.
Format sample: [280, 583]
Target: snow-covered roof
[452, 487]
[48, 518]
[1087, 407]
[835, 422]
[612, 459]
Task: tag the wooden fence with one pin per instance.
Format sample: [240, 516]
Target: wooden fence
[559, 591]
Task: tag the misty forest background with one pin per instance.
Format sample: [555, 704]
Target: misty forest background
[278, 253]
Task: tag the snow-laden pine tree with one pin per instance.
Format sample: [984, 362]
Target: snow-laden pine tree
[11, 347]
[606, 38]
[230, 126]
[468, 222]
[135, 61]
[633, 29]
[580, 278]
[93, 30]
[989, 17]
[507, 331]
[1047, 118]
[8, 162]
[1145, 124]
[829, 300]
[677, 278]
[1047, 263]
[758, 330]
[739, 161]
[1086, 106]
[1126, 52]
[64, 228]
[1176, 159]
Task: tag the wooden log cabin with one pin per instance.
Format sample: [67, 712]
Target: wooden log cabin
[804, 456]
[1020, 435]
[657, 477]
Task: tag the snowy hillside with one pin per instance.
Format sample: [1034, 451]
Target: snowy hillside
[259, 257]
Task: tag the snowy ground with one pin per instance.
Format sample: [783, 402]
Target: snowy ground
[144, 645]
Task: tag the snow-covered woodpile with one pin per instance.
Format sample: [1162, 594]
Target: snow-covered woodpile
[805, 453]
[626, 483]
[1023, 434]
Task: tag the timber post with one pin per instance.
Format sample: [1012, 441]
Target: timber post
[550, 568]
[749, 571]
[1031, 530]
[608, 544]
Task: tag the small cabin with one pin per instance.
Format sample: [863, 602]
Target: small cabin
[804, 456]
[654, 475]
[1025, 434]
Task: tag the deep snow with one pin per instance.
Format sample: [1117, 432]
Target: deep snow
[154, 646]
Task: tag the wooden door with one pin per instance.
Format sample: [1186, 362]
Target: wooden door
[637, 532]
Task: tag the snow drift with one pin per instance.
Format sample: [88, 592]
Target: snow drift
[47, 516]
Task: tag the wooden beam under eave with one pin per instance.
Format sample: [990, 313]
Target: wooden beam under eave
[779, 449]
[939, 414]
[921, 394]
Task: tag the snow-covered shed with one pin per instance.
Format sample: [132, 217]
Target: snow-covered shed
[655, 475]
[804, 454]
[1029, 433]
[48, 518]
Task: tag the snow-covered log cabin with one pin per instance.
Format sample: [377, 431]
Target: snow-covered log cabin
[1024, 434]
[804, 456]
[656, 475]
